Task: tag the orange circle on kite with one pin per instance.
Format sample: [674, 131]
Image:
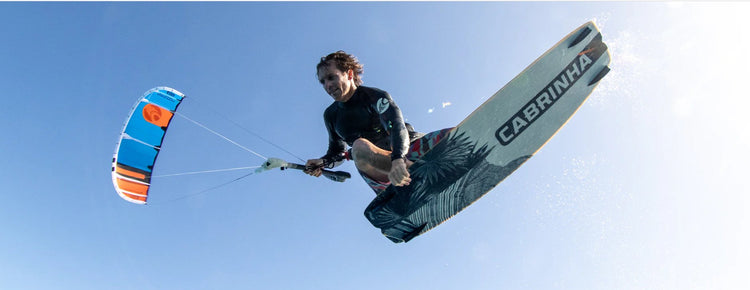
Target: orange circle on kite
[156, 115]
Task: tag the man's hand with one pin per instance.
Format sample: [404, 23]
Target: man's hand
[314, 167]
[399, 175]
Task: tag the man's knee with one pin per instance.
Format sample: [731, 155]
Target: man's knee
[361, 149]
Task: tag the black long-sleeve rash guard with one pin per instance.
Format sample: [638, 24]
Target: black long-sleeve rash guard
[371, 114]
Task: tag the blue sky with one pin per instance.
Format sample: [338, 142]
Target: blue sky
[642, 189]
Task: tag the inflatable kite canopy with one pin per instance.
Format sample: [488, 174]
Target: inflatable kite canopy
[140, 142]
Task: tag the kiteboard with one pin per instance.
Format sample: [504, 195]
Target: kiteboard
[492, 142]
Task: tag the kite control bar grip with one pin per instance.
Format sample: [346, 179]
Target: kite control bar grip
[339, 176]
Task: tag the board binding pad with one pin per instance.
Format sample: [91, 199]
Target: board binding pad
[499, 136]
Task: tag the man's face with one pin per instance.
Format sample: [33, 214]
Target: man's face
[336, 83]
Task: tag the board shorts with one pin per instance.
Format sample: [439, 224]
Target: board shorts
[416, 149]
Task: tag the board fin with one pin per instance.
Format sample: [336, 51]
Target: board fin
[600, 75]
[414, 233]
[580, 37]
[403, 232]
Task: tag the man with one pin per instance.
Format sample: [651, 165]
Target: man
[369, 121]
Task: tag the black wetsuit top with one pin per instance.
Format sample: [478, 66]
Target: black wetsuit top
[371, 114]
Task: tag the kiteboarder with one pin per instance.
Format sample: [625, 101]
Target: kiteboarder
[369, 121]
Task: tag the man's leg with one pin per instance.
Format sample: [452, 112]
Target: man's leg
[371, 160]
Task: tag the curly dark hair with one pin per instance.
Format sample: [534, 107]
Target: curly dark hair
[343, 62]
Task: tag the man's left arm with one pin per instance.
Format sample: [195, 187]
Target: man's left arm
[393, 121]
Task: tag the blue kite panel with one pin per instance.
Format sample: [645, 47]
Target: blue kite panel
[135, 154]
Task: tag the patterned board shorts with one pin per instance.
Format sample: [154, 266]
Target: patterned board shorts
[417, 148]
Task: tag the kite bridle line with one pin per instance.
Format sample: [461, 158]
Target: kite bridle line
[209, 107]
[220, 135]
[268, 164]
